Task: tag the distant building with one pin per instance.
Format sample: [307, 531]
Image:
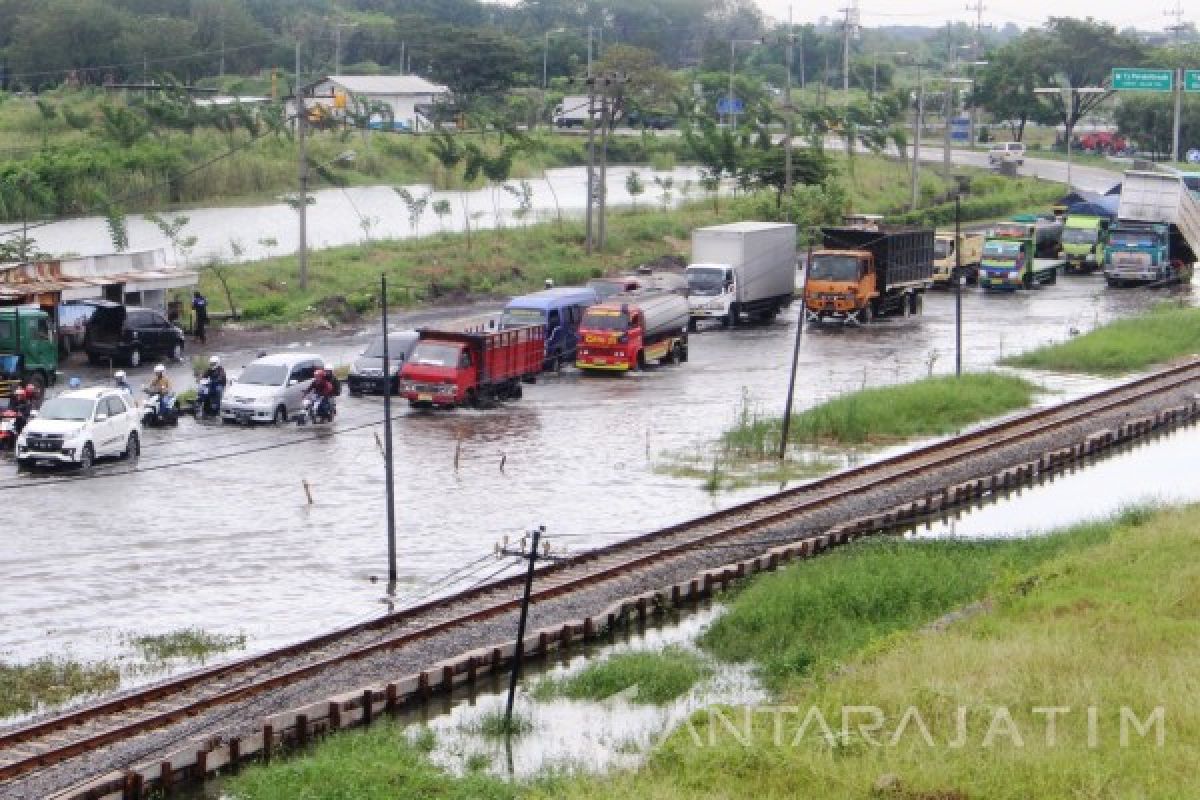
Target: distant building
[411, 98]
[138, 278]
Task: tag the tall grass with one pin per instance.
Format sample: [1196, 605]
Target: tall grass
[659, 677]
[1163, 334]
[926, 407]
[51, 682]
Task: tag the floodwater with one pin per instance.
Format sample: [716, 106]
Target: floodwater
[213, 529]
[353, 215]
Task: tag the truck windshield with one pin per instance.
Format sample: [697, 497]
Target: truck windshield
[264, 375]
[833, 268]
[1079, 235]
[942, 248]
[1132, 239]
[520, 317]
[8, 365]
[1001, 251]
[75, 409]
[706, 280]
[435, 354]
[395, 347]
[602, 319]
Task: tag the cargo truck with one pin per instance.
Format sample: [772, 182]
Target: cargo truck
[1084, 238]
[1157, 233]
[1010, 259]
[631, 329]
[741, 270]
[451, 366]
[859, 274]
[947, 256]
[28, 349]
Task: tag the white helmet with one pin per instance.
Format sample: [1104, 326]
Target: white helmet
[214, 360]
[159, 368]
[119, 375]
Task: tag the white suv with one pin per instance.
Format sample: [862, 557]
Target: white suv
[80, 426]
[1007, 151]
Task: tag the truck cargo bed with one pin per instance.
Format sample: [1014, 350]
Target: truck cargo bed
[903, 256]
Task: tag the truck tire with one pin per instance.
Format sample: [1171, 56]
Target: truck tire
[1027, 280]
[916, 303]
[866, 314]
[692, 325]
[731, 319]
[1053, 279]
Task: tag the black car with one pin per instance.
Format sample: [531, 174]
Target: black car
[129, 334]
[366, 373]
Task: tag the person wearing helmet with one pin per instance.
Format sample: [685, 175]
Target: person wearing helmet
[121, 381]
[323, 390]
[161, 385]
[33, 395]
[216, 379]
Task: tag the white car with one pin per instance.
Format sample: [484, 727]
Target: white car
[80, 426]
[1007, 151]
[270, 389]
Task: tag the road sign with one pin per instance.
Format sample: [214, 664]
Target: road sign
[1146, 80]
[1191, 80]
[960, 129]
[724, 106]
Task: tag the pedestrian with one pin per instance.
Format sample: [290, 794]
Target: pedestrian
[200, 308]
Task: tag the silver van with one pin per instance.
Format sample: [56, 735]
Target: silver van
[270, 389]
[1007, 151]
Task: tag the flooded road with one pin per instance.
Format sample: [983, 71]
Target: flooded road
[213, 529]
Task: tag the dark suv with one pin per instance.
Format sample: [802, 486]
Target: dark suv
[129, 334]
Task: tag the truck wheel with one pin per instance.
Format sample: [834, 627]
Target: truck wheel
[1053, 279]
[866, 314]
[692, 325]
[731, 320]
[915, 303]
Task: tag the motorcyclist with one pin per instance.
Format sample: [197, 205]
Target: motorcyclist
[161, 385]
[23, 408]
[215, 374]
[323, 390]
[33, 395]
[121, 381]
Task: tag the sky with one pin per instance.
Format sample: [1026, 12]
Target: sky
[1024, 13]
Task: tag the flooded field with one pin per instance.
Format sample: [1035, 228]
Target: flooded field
[213, 529]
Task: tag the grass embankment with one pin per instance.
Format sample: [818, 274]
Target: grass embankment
[1105, 618]
[659, 675]
[1163, 334]
[50, 682]
[189, 644]
[926, 407]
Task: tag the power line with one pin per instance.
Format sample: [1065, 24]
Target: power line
[142, 62]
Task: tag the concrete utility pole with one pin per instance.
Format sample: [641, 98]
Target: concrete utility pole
[845, 54]
[947, 104]
[976, 55]
[301, 124]
[1178, 29]
[337, 45]
[916, 162]
[787, 109]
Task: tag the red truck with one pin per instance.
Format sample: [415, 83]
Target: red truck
[633, 328]
[450, 368]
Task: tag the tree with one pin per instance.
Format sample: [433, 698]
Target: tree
[651, 86]
[22, 194]
[634, 185]
[1005, 88]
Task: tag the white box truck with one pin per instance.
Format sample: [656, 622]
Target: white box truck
[572, 112]
[741, 270]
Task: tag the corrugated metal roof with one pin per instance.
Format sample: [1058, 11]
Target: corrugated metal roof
[385, 84]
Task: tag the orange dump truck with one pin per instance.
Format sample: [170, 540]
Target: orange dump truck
[631, 329]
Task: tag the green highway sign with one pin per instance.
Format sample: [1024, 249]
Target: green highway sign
[1191, 80]
[1146, 80]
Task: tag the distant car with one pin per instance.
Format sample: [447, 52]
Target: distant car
[128, 334]
[1007, 151]
[366, 373]
[77, 427]
[377, 124]
[270, 389]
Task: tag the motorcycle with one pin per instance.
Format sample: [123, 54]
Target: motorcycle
[153, 412]
[8, 429]
[316, 410]
[208, 400]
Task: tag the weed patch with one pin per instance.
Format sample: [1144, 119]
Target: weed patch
[658, 677]
[50, 682]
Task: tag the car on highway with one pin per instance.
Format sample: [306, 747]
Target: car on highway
[129, 334]
[366, 373]
[1002, 152]
[270, 389]
[79, 426]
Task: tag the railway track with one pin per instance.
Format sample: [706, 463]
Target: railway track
[47, 742]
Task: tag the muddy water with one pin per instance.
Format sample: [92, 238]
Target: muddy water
[214, 530]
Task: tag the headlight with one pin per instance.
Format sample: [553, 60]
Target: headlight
[1014, 275]
[407, 386]
[447, 388]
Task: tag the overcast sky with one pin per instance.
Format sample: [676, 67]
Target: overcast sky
[1149, 15]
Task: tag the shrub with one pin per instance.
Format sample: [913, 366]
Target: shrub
[264, 308]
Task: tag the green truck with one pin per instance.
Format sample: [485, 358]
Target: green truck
[1010, 259]
[28, 349]
[1083, 241]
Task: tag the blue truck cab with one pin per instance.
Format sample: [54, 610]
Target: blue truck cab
[560, 310]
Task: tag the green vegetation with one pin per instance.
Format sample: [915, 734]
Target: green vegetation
[1103, 616]
[991, 197]
[191, 644]
[496, 725]
[926, 407]
[380, 763]
[659, 676]
[1165, 333]
[50, 682]
[724, 470]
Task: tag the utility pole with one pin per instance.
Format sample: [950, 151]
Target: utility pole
[390, 490]
[958, 284]
[1177, 29]
[916, 162]
[301, 124]
[602, 189]
[532, 555]
[947, 95]
[800, 323]
[849, 23]
[337, 45]
[591, 166]
[787, 109]
[977, 55]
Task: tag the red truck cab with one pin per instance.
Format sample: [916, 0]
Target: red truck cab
[633, 329]
[450, 368]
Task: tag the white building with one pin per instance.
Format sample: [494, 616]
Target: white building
[406, 95]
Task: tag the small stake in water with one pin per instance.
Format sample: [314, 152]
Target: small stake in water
[503, 459]
[307, 490]
[457, 452]
[379, 444]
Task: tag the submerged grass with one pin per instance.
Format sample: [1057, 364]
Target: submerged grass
[495, 725]
[926, 407]
[191, 644]
[658, 677]
[1165, 333]
[725, 471]
[50, 682]
[1099, 624]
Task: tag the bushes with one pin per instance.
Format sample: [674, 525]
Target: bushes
[264, 308]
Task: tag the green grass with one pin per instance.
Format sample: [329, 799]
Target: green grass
[496, 725]
[380, 763]
[660, 677]
[726, 471]
[1164, 334]
[50, 682]
[1107, 616]
[926, 407]
[191, 644]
